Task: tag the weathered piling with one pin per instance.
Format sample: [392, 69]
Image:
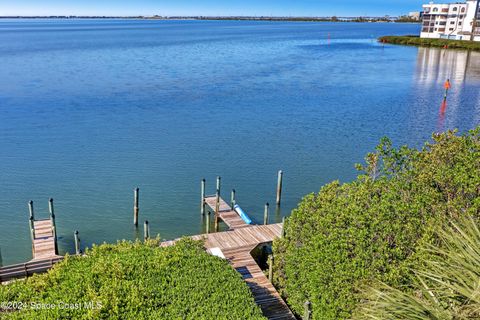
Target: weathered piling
[31, 220]
[217, 196]
[270, 267]
[136, 209]
[54, 226]
[265, 214]
[77, 243]
[216, 222]
[282, 234]
[202, 201]
[307, 310]
[146, 230]
[232, 199]
[217, 203]
[279, 187]
[208, 222]
[30, 209]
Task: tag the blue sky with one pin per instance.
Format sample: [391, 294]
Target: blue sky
[210, 7]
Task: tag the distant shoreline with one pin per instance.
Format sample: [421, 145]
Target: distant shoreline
[233, 18]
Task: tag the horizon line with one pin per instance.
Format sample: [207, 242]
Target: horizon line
[201, 16]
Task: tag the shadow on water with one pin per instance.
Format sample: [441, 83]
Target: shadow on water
[66, 244]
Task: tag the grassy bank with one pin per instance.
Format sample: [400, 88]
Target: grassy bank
[438, 43]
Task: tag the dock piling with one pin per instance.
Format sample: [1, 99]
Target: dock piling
[77, 243]
[208, 222]
[232, 199]
[54, 226]
[31, 220]
[282, 234]
[279, 187]
[270, 267]
[1, 259]
[202, 202]
[307, 313]
[146, 231]
[265, 214]
[136, 209]
[30, 209]
[217, 203]
[217, 195]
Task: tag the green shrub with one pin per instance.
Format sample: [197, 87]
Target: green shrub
[137, 281]
[370, 229]
[427, 42]
[445, 287]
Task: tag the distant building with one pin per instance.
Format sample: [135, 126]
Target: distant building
[451, 20]
[415, 15]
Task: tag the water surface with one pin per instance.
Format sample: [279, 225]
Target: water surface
[90, 109]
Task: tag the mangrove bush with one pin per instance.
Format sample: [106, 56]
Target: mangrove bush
[370, 229]
[134, 281]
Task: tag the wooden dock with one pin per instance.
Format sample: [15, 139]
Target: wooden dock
[23, 270]
[43, 244]
[265, 295]
[236, 245]
[43, 234]
[225, 213]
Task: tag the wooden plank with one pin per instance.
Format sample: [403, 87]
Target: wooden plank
[236, 245]
[211, 201]
[43, 245]
[27, 269]
[264, 293]
[226, 214]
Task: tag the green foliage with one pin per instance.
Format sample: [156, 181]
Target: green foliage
[371, 228]
[137, 281]
[446, 286]
[407, 19]
[427, 42]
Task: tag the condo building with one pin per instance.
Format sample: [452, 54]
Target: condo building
[457, 21]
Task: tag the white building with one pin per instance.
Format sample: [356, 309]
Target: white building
[414, 15]
[451, 20]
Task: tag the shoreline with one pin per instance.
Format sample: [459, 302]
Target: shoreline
[410, 40]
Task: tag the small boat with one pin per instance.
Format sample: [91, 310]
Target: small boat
[242, 214]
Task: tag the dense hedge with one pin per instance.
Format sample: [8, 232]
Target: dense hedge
[370, 229]
[427, 42]
[137, 281]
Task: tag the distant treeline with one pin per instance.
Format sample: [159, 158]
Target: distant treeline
[67, 17]
[245, 18]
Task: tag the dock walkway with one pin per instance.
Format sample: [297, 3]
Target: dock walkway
[44, 235]
[225, 213]
[236, 246]
[43, 244]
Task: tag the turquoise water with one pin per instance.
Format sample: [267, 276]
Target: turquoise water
[90, 109]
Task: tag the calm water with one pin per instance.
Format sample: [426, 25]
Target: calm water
[91, 109]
